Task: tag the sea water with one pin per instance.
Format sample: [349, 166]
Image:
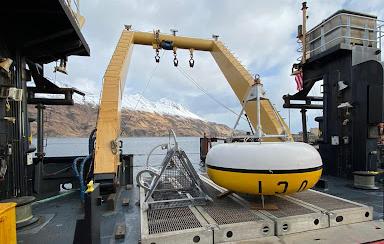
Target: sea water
[138, 146]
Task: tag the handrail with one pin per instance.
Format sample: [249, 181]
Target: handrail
[339, 37]
[344, 14]
[377, 31]
[350, 26]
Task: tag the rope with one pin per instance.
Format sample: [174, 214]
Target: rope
[186, 75]
[149, 81]
[142, 94]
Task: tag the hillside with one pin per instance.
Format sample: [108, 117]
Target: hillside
[80, 119]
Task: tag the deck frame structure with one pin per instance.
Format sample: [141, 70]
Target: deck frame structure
[296, 215]
[107, 156]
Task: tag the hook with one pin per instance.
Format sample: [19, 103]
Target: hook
[157, 56]
[191, 60]
[191, 63]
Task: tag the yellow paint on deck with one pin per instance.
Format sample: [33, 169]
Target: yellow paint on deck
[271, 184]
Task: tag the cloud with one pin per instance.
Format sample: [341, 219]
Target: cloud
[261, 33]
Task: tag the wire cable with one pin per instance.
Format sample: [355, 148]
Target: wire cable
[142, 94]
[186, 75]
[149, 81]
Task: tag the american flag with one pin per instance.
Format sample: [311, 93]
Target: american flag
[299, 80]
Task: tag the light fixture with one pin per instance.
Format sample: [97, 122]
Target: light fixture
[342, 85]
[5, 64]
[345, 105]
[62, 68]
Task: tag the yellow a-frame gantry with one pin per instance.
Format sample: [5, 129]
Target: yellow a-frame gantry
[107, 156]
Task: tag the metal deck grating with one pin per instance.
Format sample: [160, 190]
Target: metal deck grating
[227, 211]
[167, 220]
[323, 201]
[230, 213]
[176, 185]
[286, 208]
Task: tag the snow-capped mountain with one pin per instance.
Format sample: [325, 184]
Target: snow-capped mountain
[162, 106]
[140, 117]
[79, 120]
[139, 103]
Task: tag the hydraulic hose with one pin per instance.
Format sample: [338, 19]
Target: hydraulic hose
[80, 174]
[91, 141]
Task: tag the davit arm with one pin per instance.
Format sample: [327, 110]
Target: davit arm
[107, 156]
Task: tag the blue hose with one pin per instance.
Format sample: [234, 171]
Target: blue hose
[80, 174]
[74, 166]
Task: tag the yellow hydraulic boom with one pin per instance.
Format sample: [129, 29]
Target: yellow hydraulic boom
[107, 155]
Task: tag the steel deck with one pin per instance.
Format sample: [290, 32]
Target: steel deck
[60, 214]
[233, 219]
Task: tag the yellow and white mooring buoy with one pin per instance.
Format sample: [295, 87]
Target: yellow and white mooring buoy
[266, 168]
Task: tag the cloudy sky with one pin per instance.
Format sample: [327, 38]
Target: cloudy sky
[260, 33]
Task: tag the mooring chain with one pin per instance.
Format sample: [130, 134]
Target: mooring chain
[157, 40]
[175, 60]
[191, 60]
[157, 45]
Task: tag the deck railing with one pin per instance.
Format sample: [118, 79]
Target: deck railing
[346, 28]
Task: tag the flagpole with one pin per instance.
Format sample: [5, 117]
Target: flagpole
[304, 38]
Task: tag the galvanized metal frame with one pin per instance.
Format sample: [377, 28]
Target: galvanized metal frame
[203, 233]
[348, 38]
[240, 231]
[298, 223]
[359, 213]
[190, 175]
[290, 224]
[255, 93]
[211, 231]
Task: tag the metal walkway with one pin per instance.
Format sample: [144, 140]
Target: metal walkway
[234, 219]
